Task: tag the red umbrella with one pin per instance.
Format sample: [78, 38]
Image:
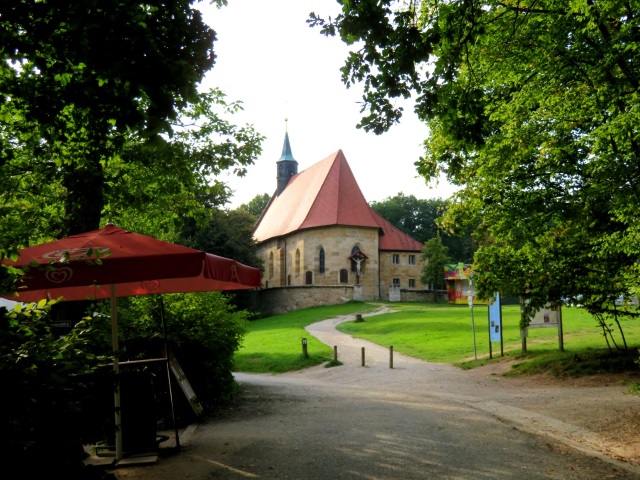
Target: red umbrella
[112, 262]
[136, 264]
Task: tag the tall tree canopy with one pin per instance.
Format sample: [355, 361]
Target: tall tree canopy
[91, 91]
[534, 108]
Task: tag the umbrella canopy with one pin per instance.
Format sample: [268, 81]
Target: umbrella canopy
[112, 262]
[136, 264]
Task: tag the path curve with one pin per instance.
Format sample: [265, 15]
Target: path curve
[558, 410]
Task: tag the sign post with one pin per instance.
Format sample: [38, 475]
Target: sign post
[473, 325]
[549, 317]
[495, 324]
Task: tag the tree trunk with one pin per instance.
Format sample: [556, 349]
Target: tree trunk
[85, 197]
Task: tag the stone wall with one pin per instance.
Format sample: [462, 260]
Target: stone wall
[286, 299]
[423, 295]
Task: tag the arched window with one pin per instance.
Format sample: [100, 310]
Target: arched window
[321, 260]
[297, 262]
[308, 277]
[344, 275]
[271, 265]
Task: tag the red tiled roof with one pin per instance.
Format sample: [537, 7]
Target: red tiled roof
[322, 195]
[394, 239]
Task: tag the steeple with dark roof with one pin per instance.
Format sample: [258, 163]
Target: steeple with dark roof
[287, 166]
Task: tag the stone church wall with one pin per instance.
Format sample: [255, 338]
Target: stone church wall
[294, 261]
[299, 253]
[287, 299]
[404, 271]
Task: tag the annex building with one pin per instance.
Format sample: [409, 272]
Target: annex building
[323, 244]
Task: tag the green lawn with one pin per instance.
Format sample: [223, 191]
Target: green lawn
[274, 344]
[436, 333]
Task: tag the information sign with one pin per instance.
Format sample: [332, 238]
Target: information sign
[495, 320]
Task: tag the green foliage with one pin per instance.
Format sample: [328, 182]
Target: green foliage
[435, 255]
[228, 233]
[420, 219]
[77, 82]
[414, 217]
[98, 126]
[256, 205]
[151, 187]
[53, 389]
[203, 331]
[532, 109]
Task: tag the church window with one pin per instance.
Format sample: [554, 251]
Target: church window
[271, 265]
[412, 259]
[321, 260]
[396, 259]
[308, 277]
[396, 282]
[412, 283]
[297, 263]
[344, 276]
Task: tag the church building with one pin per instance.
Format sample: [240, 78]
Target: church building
[323, 244]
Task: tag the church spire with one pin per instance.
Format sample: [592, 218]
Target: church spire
[287, 166]
[286, 148]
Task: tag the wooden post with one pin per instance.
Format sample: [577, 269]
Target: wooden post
[560, 333]
[391, 356]
[363, 356]
[335, 353]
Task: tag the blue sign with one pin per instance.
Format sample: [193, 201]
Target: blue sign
[495, 320]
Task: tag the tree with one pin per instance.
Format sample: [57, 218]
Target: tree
[434, 256]
[533, 109]
[78, 83]
[257, 205]
[420, 218]
[150, 187]
[228, 233]
[100, 116]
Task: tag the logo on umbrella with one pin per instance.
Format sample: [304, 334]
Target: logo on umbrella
[59, 275]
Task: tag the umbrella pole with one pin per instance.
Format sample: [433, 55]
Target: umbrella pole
[166, 354]
[116, 372]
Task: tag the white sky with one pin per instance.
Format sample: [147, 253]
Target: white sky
[279, 67]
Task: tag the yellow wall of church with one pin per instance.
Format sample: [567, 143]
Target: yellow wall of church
[288, 260]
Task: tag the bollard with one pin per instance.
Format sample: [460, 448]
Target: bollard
[305, 354]
[363, 356]
[359, 317]
[335, 353]
[391, 356]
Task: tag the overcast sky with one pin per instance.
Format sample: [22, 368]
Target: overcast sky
[279, 67]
